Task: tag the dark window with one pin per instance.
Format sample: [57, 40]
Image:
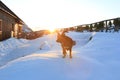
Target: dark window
[12, 27]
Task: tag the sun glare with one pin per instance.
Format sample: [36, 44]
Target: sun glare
[51, 30]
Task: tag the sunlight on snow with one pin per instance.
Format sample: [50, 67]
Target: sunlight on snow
[48, 55]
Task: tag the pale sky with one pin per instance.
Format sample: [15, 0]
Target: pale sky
[45, 14]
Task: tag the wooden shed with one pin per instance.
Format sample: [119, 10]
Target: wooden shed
[10, 23]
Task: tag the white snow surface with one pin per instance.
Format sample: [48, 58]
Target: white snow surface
[97, 59]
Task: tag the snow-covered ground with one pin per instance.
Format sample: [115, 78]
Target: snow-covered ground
[98, 59]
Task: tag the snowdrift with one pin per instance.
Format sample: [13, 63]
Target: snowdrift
[8, 45]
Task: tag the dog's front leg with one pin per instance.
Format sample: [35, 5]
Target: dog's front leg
[64, 52]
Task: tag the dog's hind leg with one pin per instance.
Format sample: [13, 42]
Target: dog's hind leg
[70, 53]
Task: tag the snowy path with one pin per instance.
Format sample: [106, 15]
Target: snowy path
[29, 47]
[88, 63]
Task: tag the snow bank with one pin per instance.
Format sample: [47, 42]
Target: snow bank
[8, 45]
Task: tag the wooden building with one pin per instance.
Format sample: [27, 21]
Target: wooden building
[10, 23]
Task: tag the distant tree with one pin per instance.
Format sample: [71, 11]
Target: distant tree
[110, 26]
[119, 23]
[71, 28]
[91, 27]
[79, 29]
[101, 26]
[87, 27]
[96, 27]
[110, 23]
[116, 25]
[115, 22]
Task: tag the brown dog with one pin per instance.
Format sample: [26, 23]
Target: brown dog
[66, 43]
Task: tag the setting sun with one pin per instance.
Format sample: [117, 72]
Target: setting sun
[52, 29]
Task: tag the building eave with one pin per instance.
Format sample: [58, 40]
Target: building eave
[5, 9]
